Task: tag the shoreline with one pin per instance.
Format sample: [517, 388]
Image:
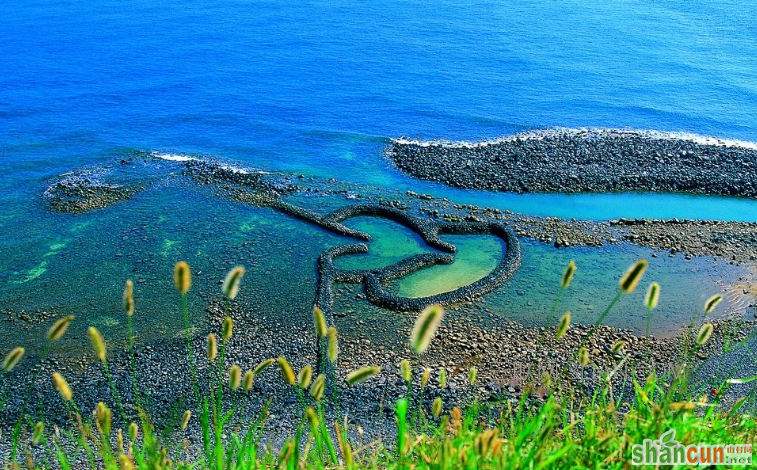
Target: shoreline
[729, 240]
[316, 200]
[471, 334]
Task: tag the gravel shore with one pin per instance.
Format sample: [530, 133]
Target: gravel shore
[511, 359]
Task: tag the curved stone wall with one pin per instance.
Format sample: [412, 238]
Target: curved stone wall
[373, 279]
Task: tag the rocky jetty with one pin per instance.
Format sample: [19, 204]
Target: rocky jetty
[734, 241]
[584, 161]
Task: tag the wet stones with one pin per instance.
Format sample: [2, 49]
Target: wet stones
[584, 161]
[258, 188]
[78, 197]
[736, 241]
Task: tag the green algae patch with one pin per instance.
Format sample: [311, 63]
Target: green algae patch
[34, 273]
[168, 247]
[476, 256]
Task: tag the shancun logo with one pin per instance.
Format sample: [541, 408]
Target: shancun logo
[667, 451]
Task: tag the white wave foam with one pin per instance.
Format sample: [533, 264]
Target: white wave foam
[184, 158]
[588, 133]
[234, 169]
[173, 157]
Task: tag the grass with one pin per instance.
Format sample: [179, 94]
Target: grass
[571, 428]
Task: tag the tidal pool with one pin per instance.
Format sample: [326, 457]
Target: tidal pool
[476, 256]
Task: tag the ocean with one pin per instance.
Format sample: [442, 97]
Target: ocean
[318, 88]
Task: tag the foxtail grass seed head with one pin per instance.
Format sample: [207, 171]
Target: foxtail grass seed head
[443, 378]
[631, 278]
[304, 377]
[344, 446]
[286, 371]
[472, 375]
[104, 418]
[129, 298]
[407, 370]
[583, 356]
[59, 328]
[98, 343]
[705, 332]
[263, 365]
[125, 462]
[212, 347]
[712, 302]
[227, 328]
[425, 376]
[249, 379]
[133, 431]
[62, 387]
[39, 433]
[318, 388]
[231, 283]
[333, 346]
[235, 377]
[182, 277]
[185, 419]
[319, 320]
[12, 359]
[312, 420]
[567, 276]
[361, 375]
[682, 406]
[436, 408]
[425, 328]
[618, 345]
[653, 296]
[563, 326]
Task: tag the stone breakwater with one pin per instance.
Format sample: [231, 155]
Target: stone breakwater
[373, 280]
[734, 241]
[90, 189]
[587, 161]
[261, 189]
[264, 190]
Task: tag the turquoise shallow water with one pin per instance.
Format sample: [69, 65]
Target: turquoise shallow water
[317, 88]
[63, 264]
[528, 296]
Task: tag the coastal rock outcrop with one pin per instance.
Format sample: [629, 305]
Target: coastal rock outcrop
[573, 161]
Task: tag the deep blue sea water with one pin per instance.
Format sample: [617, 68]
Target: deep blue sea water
[317, 87]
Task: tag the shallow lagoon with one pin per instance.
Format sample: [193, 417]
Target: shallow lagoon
[55, 264]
